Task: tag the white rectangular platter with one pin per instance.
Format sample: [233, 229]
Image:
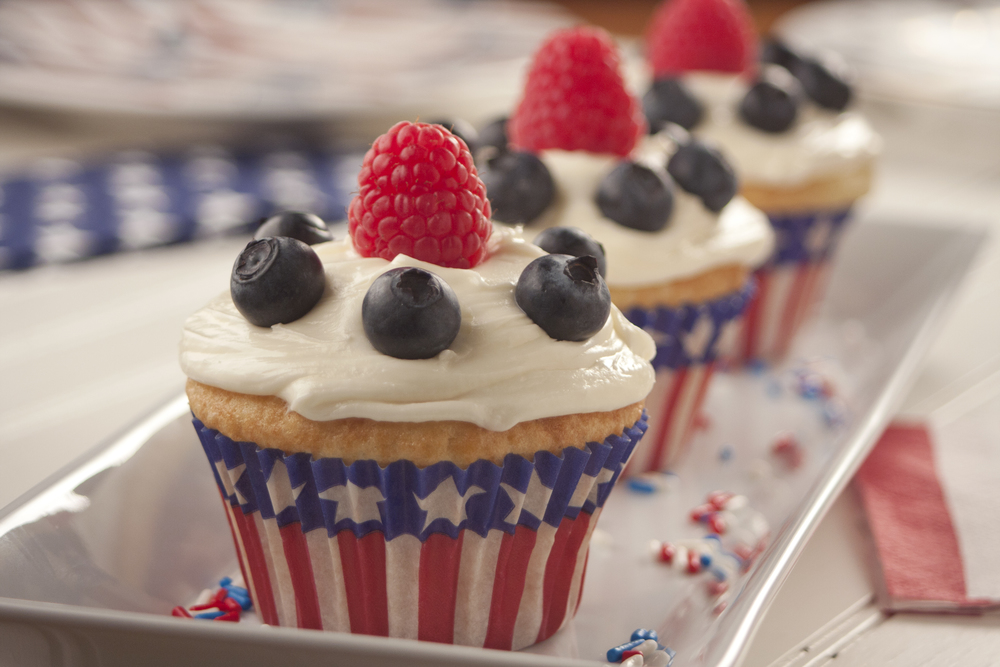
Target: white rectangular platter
[93, 559]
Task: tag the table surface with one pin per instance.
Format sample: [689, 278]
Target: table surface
[88, 348]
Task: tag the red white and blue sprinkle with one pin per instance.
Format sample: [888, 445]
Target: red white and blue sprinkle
[642, 650]
[225, 604]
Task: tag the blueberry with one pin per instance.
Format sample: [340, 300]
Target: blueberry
[410, 313]
[769, 106]
[494, 134]
[776, 52]
[635, 196]
[306, 227]
[574, 242]
[276, 280]
[668, 101]
[824, 87]
[461, 129]
[519, 186]
[566, 296]
[702, 171]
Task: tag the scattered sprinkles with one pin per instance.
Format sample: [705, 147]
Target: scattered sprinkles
[642, 650]
[728, 516]
[225, 604]
[788, 451]
[649, 483]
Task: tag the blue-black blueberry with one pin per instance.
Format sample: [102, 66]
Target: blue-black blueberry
[518, 185]
[409, 313]
[824, 87]
[668, 101]
[306, 227]
[769, 106]
[566, 296]
[461, 129]
[635, 196]
[494, 134]
[574, 242]
[276, 280]
[702, 171]
[776, 52]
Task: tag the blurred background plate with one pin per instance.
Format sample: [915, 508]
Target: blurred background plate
[265, 59]
[930, 51]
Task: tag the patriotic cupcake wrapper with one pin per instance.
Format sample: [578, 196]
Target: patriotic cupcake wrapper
[489, 555]
[687, 342]
[790, 284]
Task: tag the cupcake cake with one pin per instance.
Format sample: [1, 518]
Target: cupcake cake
[802, 153]
[414, 429]
[679, 245]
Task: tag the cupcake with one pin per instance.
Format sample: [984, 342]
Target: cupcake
[414, 429]
[803, 155]
[679, 246]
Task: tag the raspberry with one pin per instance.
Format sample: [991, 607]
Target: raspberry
[575, 98]
[420, 195]
[713, 35]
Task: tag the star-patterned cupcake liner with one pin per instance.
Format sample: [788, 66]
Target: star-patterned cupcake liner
[790, 285]
[687, 343]
[488, 555]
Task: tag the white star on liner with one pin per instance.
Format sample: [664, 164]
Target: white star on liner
[444, 502]
[696, 341]
[534, 500]
[232, 477]
[582, 491]
[279, 487]
[602, 477]
[818, 237]
[355, 503]
[227, 484]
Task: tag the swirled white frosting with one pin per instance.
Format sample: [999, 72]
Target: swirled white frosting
[694, 240]
[820, 142]
[500, 370]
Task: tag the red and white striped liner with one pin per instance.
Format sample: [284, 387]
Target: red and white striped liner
[503, 591]
[672, 407]
[785, 297]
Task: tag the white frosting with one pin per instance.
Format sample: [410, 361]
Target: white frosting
[500, 370]
[820, 142]
[694, 240]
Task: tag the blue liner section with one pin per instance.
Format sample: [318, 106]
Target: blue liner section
[690, 333]
[63, 210]
[482, 496]
[809, 237]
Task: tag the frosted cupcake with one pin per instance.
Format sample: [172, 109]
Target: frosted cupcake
[679, 246]
[802, 154]
[412, 438]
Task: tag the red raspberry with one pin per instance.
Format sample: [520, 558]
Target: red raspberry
[712, 35]
[420, 195]
[575, 98]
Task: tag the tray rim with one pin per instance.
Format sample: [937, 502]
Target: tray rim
[727, 648]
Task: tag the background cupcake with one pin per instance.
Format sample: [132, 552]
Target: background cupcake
[407, 453]
[802, 154]
[679, 246]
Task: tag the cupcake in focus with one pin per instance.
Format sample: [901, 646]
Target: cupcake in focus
[679, 244]
[802, 153]
[414, 429]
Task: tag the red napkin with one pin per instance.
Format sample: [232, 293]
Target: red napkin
[931, 492]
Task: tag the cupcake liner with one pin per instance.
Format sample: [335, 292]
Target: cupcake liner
[790, 284]
[687, 343]
[488, 555]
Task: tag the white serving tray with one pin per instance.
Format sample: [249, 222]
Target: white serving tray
[93, 559]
